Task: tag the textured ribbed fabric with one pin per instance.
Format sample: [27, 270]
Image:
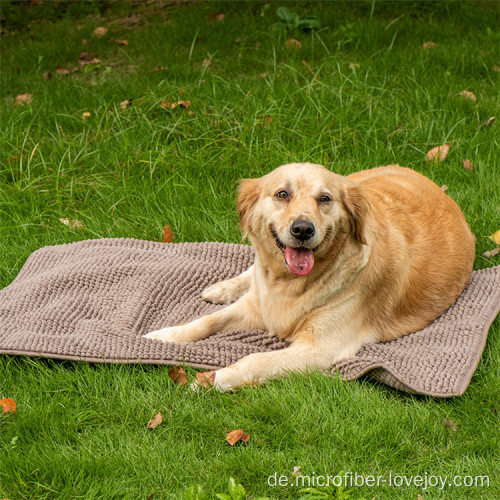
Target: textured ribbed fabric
[93, 300]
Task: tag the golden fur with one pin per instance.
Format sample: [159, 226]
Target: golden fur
[391, 252]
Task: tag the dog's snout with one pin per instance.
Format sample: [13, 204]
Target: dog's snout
[302, 229]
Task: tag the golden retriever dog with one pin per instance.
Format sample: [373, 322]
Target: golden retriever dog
[339, 262]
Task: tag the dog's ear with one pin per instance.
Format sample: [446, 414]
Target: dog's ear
[357, 206]
[248, 195]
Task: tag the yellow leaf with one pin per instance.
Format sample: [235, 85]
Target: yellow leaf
[495, 237]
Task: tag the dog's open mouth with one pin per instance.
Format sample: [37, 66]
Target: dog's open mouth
[300, 260]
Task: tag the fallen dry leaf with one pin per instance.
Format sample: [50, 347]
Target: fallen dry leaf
[8, 405]
[23, 99]
[495, 237]
[238, 435]
[155, 421]
[178, 375]
[86, 115]
[216, 16]
[167, 235]
[491, 253]
[354, 65]
[488, 122]
[296, 470]
[439, 153]
[429, 45]
[206, 379]
[468, 95]
[449, 423]
[84, 57]
[100, 32]
[125, 104]
[172, 105]
[167, 104]
[496, 68]
[444, 187]
[61, 70]
[468, 165]
[120, 42]
[72, 223]
[293, 44]
[47, 75]
[206, 62]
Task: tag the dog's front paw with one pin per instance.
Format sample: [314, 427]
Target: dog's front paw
[175, 334]
[217, 294]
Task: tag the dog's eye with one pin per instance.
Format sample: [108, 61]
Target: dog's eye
[282, 195]
[324, 198]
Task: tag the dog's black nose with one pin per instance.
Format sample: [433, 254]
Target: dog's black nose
[302, 229]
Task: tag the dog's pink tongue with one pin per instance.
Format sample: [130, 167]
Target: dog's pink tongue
[299, 260]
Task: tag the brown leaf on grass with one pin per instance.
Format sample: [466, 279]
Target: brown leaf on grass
[467, 165]
[47, 75]
[61, 70]
[23, 99]
[100, 31]
[496, 68]
[444, 187]
[296, 470]
[167, 235]
[439, 153]
[155, 421]
[72, 223]
[468, 95]
[216, 16]
[293, 44]
[206, 379]
[178, 375]
[206, 62]
[354, 65]
[238, 435]
[495, 237]
[120, 42]
[491, 253]
[488, 122]
[429, 45]
[8, 405]
[86, 115]
[125, 104]
[84, 57]
[172, 105]
[449, 423]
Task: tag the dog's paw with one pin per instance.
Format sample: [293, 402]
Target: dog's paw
[227, 379]
[217, 294]
[172, 334]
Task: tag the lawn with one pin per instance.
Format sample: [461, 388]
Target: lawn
[99, 143]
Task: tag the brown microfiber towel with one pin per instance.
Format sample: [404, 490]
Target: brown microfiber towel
[93, 300]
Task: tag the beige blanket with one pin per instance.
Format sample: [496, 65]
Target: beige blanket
[93, 300]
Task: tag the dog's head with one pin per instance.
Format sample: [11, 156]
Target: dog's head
[298, 211]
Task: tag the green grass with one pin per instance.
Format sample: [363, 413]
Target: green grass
[369, 95]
